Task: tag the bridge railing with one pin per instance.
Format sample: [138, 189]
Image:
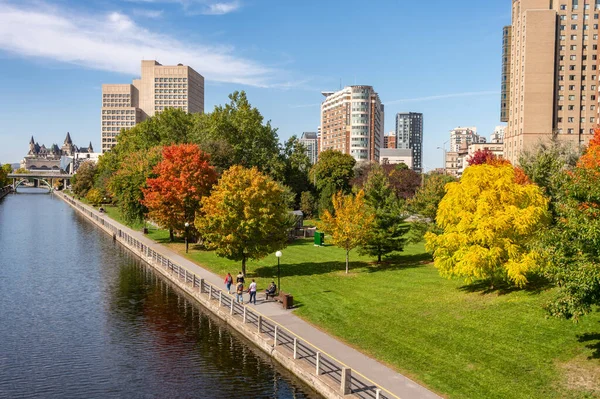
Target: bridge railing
[324, 365]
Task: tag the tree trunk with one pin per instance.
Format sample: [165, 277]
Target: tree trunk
[378, 258]
[347, 261]
[171, 235]
[244, 266]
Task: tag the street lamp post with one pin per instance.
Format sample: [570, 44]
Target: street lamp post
[443, 148]
[278, 254]
[186, 236]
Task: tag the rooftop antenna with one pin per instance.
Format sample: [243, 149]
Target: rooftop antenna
[340, 83]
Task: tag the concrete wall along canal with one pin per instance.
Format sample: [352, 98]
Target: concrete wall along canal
[322, 372]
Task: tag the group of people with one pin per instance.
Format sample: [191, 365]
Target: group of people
[239, 288]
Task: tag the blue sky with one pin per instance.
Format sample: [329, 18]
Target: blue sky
[438, 57]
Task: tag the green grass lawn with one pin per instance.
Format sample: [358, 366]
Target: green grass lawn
[459, 340]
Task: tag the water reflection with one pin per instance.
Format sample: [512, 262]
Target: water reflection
[83, 318]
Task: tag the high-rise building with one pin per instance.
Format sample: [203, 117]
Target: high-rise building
[552, 87]
[352, 122]
[498, 135]
[409, 135]
[462, 137]
[310, 141]
[160, 87]
[389, 140]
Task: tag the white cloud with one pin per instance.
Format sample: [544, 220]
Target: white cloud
[443, 96]
[221, 8]
[152, 14]
[206, 7]
[113, 42]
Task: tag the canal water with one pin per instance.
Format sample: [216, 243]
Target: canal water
[80, 317]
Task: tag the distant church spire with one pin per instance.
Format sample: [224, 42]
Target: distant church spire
[32, 141]
[90, 148]
[68, 139]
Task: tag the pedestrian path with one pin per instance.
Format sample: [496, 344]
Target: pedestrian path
[401, 386]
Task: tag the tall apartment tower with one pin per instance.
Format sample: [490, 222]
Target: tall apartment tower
[409, 135]
[310, 141]
[552, 87]
[462, 137]
[352, 122]
[160, 87]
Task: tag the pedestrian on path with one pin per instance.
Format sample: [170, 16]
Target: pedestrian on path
[252, 291]
[240, 278]
[228, 282]
[239, 289]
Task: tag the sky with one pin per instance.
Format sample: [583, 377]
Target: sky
[438, 57]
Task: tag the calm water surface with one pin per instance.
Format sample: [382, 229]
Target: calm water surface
[82, 318]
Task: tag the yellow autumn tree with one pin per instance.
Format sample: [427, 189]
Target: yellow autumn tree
[351, 224]
[247, 216]
[488, 220]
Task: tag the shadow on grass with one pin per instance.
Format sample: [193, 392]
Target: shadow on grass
[537, 284]
[315, 268]
[594, 339]
[400, 261]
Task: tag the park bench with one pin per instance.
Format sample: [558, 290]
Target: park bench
[285, 298]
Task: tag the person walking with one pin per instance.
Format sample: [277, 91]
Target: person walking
[239, 289]
[252, 291]
[240, 278]
[228, 282]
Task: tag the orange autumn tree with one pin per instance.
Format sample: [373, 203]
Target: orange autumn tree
[184, 177]
[591, 159]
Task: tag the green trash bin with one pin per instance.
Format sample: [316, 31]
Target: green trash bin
[319, 238]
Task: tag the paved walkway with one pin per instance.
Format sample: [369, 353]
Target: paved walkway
[399, 385]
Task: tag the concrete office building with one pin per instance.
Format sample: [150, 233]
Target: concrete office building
[160, 87]
[394, 156]
[409, 135]
[311, 142]
[551, 53]
[352, 123]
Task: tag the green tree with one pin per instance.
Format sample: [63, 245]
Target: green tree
[84, 178]
[238, 129]
[389, 230]
[5, 170]
[427, 198]
[171, 126]
[247, 216]
[332, 173]
[545, 163]
[296, 167]
[351, 224]
[307, 204]
[127, 183]
[571, 246]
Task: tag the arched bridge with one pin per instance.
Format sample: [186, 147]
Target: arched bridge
[44, 179]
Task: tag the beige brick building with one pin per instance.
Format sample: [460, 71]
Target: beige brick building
[352, 123]
[160, 87]
[551, 53]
